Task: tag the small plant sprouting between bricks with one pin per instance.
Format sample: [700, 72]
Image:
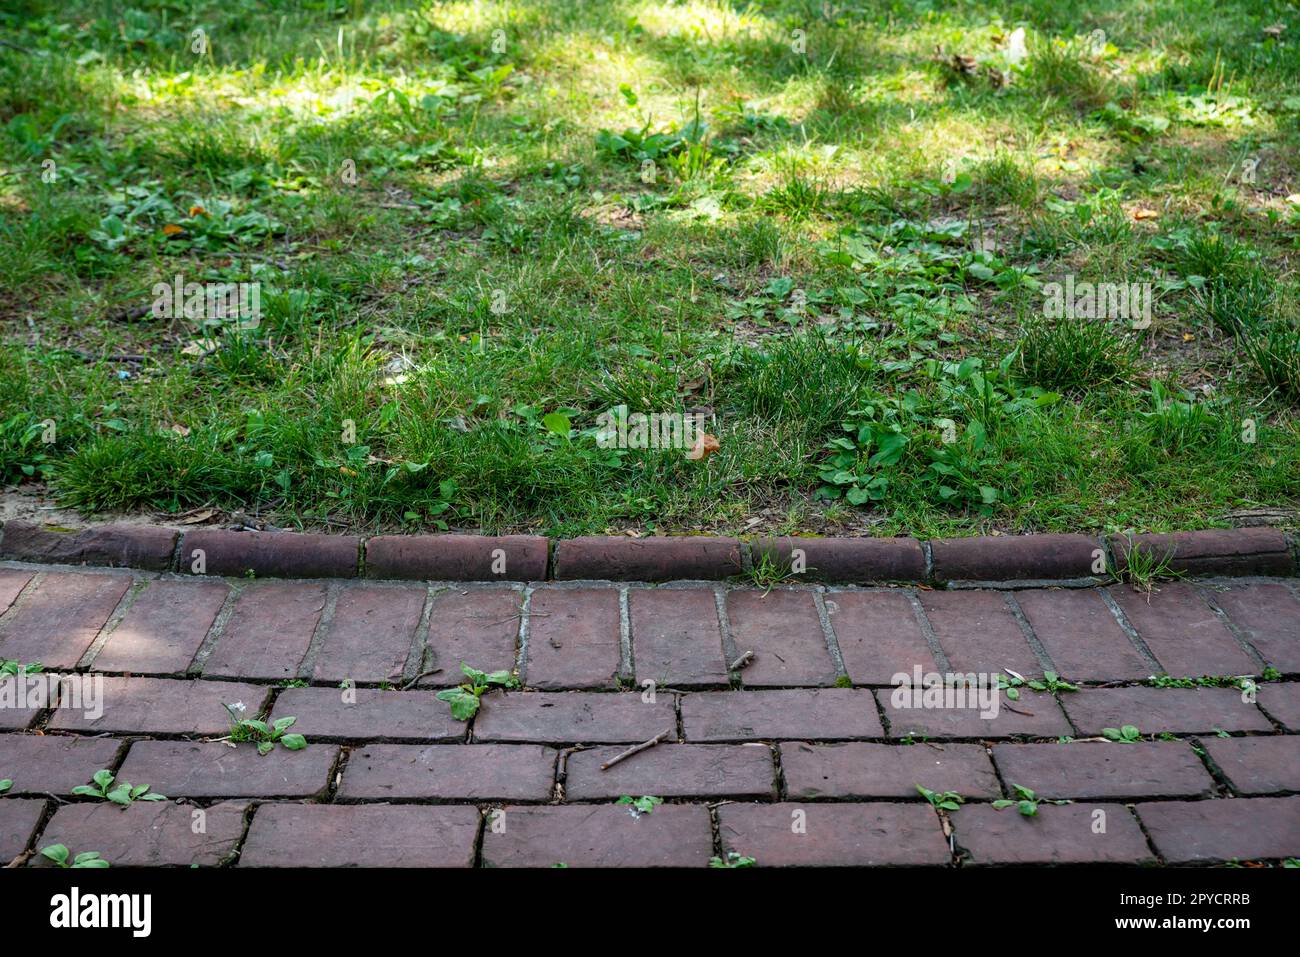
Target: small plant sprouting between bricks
[732, 861]
[119, 792]
[1128, 734]
[638, 806]
[266, 735]
[5, 784]
[1026, 801]
[464, 698]
[59, 854]
[944, 801]
[8, 667]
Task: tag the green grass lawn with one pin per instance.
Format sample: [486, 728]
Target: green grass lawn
[477, 226]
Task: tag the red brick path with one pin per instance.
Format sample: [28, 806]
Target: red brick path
[802, 758]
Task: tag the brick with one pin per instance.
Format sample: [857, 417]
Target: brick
[784, 631]
[1189, 832]
[268, 632]
[164, 628]
[60, 619]
[647, 559]
[19, 818]
[213, 769]
[978, 633]
[834, 835]
[573, 638]
[369, 714]
[857, 560]
[1282, 702]
[160, 706]
[676, 640]
[1215, 551]
[12, 582]
[1098, 770]
[673, 770]
[479, 627]
[362, 835]
[878, 635]
[1257, 765]
[370, 634]
[129, 546]
[602, 835]
[1182, 631]
[810, 714]
[450, 772]
[22, 699]
[1081, 635]
[52, 763]
[860, 770]
[271, 554]
[149, 833]
[1037, 715]
[1057, 834]
[1157, 710]
[573, 717]
[1269, 617]
[1011, 557]
[477, 558]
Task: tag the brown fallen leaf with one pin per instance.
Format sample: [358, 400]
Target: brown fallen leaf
[1274, 30]
[171, 229]
[197, 210]
[181, 430]
[704, 446]
[1143, 213]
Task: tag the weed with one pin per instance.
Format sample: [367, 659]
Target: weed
[943, 801]
[464, 698]
[121, 792]
[1143, 567]
[59, 854]
[1127, 734]
[1026, 801]
[266, 736]
[1074, 355]
[638, 806]
[733, 860]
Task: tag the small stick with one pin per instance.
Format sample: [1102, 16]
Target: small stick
[422, 674]
[744, 661]
[1017, 710]
[636, 749]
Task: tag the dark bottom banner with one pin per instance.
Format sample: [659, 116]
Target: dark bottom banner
[177, 907]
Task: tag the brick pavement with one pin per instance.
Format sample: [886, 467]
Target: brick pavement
[807, 756]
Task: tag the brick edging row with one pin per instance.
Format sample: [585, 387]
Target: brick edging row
[453, 557]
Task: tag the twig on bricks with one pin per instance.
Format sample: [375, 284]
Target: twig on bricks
[636, 749]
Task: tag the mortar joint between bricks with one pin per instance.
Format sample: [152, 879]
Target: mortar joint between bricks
[627, 662]
[828, 630]
[1108, 554]
[927, 552]
[415, 656]
[178, 552]
[138, 584]
[729, 652]
[927, 630]
[1026, 629]
[321, 632]
[1126, 626]
[1207, 595]
[218, 628]
[521, 640]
